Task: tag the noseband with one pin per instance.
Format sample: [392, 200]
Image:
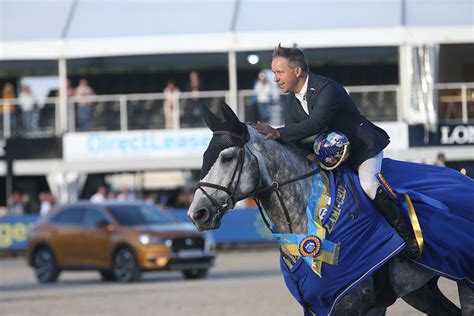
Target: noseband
[230, 201]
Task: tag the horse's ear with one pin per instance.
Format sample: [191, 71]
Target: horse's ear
[211, 120]
[229, 115]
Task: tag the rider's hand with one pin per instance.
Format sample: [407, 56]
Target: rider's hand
[267, 130]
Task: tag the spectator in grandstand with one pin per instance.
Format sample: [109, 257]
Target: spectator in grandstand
[84, 104]
[111, 195]
[194, 85]
[151, 199]
[70, 89]
[182, 200]
[192, 112]
[171, 105]
[162, 200]
[100, 195]
[440, 160]
[126, 195]
[8, 106]
[46, 202]
[263, 91]
[16, 204]
[27, 104]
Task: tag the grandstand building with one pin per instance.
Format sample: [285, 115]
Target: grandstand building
[408, 64]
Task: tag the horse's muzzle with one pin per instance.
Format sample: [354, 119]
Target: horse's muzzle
[203, 220]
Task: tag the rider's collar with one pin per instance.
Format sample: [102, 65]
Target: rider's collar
[302, 94]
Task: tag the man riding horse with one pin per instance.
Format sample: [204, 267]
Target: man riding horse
[316, 104]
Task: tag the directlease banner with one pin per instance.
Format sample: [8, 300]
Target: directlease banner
[14, 231]
[136, 144]
[238, 226]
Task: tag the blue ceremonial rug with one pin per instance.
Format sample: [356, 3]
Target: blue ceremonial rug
[348, 239]
[443, 200]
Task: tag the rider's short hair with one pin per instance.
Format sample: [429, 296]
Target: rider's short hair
[293, 55]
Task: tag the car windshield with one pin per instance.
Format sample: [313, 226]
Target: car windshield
[132, 215]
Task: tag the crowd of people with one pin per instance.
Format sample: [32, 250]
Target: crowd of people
[21, 204]
[23, 109]
[181, 199]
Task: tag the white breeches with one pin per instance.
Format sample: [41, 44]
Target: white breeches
[367, 175]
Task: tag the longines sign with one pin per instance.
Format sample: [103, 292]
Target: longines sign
[456, 135]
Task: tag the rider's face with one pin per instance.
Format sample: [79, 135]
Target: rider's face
[285, 77]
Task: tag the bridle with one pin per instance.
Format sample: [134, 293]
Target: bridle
[230, 201]
[236, 174]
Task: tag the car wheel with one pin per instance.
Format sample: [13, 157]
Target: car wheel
[125, 266]
[45, 266]
[195, 274]
[108, 275]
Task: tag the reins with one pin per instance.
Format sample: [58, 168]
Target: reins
[230, 202]
[275, 187]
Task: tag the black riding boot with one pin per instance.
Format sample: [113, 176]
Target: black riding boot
[390, 211]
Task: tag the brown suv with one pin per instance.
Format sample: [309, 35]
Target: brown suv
[119, 239]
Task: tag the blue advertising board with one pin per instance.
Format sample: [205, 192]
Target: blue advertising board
[238, 226]
[14, 231]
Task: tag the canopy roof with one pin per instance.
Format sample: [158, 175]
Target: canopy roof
[49, 29]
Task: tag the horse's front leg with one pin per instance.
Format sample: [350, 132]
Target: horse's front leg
[359, 301]
[466, 298]
[430, 300]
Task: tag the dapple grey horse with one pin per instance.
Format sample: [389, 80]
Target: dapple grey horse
[234, 172]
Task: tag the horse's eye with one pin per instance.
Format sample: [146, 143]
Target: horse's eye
[226, 159]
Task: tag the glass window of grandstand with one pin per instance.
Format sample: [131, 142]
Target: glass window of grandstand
[146, 92]
[455, 88]
[165, 91]
[28, 97]
[369, 74]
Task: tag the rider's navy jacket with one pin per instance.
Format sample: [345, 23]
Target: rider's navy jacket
[331, 108]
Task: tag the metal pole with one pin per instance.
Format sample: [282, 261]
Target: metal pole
[8, 176]
[176, 111]
[464, 103]
[232, 58]
[405, 68]
[241, 107]
[123, 113]
[7, 109]
[63, 102]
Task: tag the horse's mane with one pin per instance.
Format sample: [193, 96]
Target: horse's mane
[291, 148]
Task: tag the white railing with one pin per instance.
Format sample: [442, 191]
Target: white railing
[456, 102]
[378, 103]
[147, 111]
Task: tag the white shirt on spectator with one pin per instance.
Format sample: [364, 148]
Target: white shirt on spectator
[263, 91]
[45, 208]
[97, 198]
[26, 101]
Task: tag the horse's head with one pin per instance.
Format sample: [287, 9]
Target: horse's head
[229, 172]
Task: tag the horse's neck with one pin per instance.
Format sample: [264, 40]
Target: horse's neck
[283, 164]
